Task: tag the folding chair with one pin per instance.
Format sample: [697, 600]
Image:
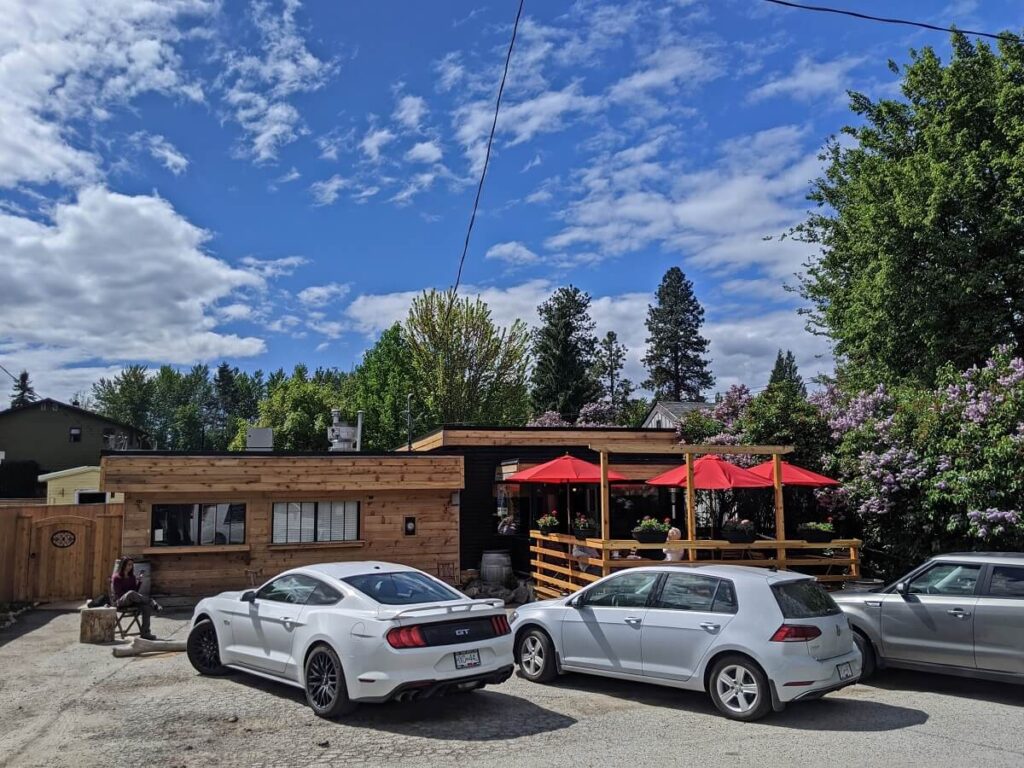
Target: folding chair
[128, 619]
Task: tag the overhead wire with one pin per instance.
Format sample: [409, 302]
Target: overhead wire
[888, 20]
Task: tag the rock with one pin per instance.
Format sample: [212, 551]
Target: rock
[233, 719]
[324, 743]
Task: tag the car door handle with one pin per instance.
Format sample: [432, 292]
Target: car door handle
[710, 626]
[873, 603]
[958, 613]
[633, 620]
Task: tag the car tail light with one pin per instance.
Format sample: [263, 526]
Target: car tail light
[406, 637]
[795, 633]
[500, 624]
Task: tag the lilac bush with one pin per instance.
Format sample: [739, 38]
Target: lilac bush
[548, 419]
[599, 414]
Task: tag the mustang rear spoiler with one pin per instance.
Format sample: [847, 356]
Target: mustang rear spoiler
[465, 606]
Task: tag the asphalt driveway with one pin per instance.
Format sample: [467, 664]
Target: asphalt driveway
[65, 704]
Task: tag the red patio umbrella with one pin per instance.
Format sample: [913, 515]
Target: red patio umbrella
[712, 473]
[563, 471]
[793, 475]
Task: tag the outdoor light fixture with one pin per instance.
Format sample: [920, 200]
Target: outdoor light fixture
[410, 526]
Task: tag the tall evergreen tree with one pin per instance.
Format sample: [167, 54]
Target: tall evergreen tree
[23, 393]
[563, 349]
[676, 366]
[608, 363]
[785, 373]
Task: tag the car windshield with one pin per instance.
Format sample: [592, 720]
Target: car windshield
[402, 588]
[804, 600]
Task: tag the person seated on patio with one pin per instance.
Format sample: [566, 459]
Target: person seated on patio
[125, 586]
[580, 555]
[674, 555]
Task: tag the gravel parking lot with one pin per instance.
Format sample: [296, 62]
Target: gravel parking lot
[65, 704]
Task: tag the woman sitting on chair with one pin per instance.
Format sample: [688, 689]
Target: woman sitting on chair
[674, 555]
[125, 586]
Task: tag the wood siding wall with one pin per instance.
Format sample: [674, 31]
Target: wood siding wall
[32, 568]
[455, 437]
[205, 570]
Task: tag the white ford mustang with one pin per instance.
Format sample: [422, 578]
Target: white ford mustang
[355, 632]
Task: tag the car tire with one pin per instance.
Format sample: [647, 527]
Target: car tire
[324, 683]
[739, 688]
[868, 663]
[535, 654]
[203, 649]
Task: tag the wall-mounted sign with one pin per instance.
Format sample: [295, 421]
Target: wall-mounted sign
[62, 539]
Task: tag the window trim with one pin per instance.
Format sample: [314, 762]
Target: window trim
[197, 506]
[74, 434]
[358, 541]
[990, 572]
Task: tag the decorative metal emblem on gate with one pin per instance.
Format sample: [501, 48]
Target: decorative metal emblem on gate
[62, 539]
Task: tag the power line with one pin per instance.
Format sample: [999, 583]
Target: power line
[487, 155]
[885, 20]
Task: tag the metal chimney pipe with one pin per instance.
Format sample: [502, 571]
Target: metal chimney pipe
[359, 431]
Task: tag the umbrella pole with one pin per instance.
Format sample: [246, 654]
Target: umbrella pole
[605, 513]
[691, 506]
[780, 515]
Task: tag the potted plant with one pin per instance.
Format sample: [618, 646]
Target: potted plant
[651, 531]
[738, 531]
[583, 526]
[816, 532]
[548, 523]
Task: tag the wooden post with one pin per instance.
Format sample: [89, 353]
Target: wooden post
[605, 512]
[691, 506]
[780, 515]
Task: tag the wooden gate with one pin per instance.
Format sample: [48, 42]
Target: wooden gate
[60, 561]
[64, 552]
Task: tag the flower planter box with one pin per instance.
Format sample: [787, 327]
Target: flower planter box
[650, 537]
[584, 533]
[816, 537]
[739, 537]
[547, 531]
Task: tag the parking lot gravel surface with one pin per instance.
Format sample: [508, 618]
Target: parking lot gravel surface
[66, 704]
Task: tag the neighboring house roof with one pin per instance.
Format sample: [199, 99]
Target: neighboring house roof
[67, 473]
[674, 408]
[46, 401]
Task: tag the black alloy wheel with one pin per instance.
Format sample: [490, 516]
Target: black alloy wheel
[326, 692]
[203, 650]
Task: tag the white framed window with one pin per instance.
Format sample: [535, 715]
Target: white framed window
[299, 522]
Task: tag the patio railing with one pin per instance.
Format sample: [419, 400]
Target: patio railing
[556, 571]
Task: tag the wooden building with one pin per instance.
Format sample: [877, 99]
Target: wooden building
[211, 522]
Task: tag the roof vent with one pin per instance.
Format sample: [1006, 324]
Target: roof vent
[344, 438]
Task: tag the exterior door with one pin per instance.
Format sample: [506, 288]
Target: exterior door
[603, 631]
[934, 622]
[263, 631]
[60, 562]
[999, 621]
[689, 612]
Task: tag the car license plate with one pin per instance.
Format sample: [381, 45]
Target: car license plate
[468, 659]
[845, 671]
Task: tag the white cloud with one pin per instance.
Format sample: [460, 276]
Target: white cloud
[290, 176]
[374, 141]
[450, 71]
[536, 161]
[425, 152]
[512, 253]
[161, 149]
[810, 80]
[259, 86]
[365, 194]
[332, 143]
[326, 191]
[65, 63]
[271, 268]
[668, 69]
[418, 183]
[320, 295]
[410, 111]
[115, 278]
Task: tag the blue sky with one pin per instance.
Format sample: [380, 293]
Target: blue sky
[271, 182]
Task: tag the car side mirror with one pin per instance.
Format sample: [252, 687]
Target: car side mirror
[903, 588]
[249, 596]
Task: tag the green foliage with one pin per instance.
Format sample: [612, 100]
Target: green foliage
[609, 359]
[23, 392]
[919, 222]
[675, 360]
[127, 398]
[633, 412]
[782, 415]
[465, 369]
[564, 349]
[785, 372]
[298, 409]
[379, 386]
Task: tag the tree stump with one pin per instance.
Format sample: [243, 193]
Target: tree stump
[98, 625]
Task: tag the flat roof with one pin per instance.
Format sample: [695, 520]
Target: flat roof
[68, 473]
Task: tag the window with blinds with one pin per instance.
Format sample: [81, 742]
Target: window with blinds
[298, 522]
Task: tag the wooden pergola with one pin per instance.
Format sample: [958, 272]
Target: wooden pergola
[554, 571]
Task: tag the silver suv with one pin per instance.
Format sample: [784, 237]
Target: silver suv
[959, 614]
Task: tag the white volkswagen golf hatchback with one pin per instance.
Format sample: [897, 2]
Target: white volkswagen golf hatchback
[753, 638]
[355, 632]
